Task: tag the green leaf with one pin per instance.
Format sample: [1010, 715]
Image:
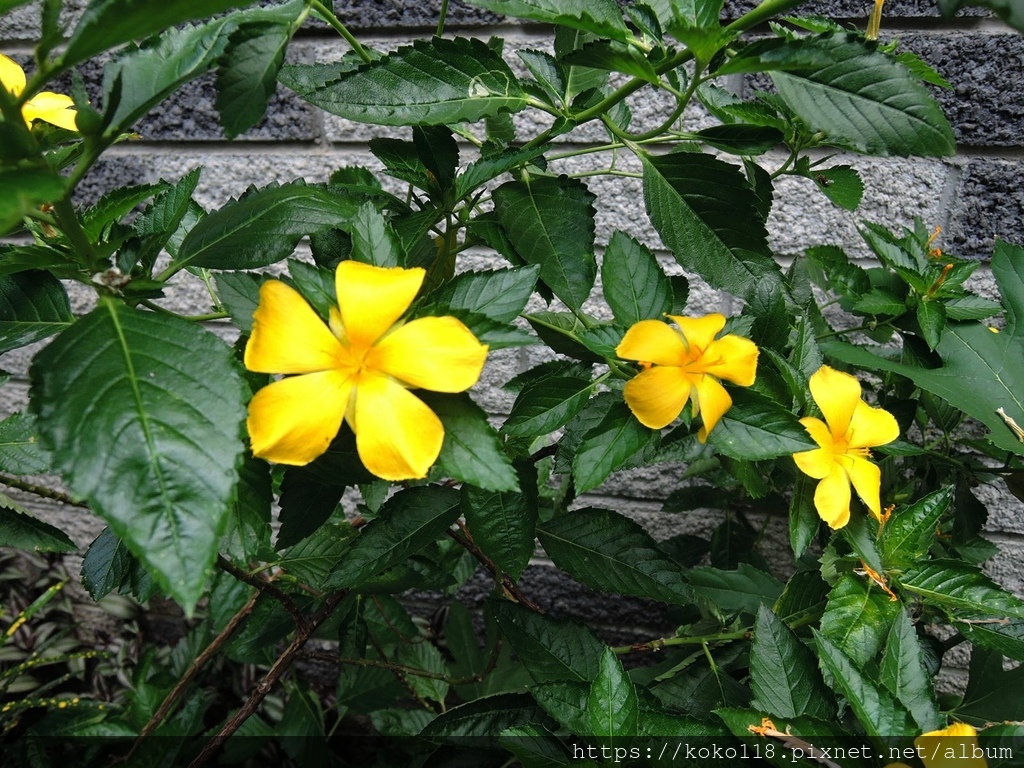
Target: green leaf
[635, 286]
[566, 701]
[550, 222]
[263, 226]
[373, 240]
[956, 586]
[108, 565]
[613, 56]
[239, 292]
[784, 676]
[879, 301]
[491, 167]
[741, 139]
[545, 405]
[142, 78]
[429, 83]
[305, 503]
[20, 451]
[484, 717]
[865, 101]
[609, 446]
[549, 648]
[500, 295]
[971, 308]
[611, 553]
[804, 521]
[1009, 273]
[22, 531]
[503, 526]
[106, 24]
[904, 674]
[744, 589]
[759, 430]
[879, 714]
[841, 184]
[127, 400]
[407, 522]
[706, 213]
[993, 693]
[534, 746]
[931, 317]
[858, 617]
[472, 451]
[911, 531]
[33, 306]
[612, 704]
[427, 657]
[997, 633]
[602, 17]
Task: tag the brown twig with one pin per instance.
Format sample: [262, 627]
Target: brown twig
[41, 491]
[266, 685]
[509, 587]
[263, 585]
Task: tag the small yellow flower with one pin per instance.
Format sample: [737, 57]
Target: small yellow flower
[358, 368]
[54, 108]
[850, 428]
[953, 747]
[684, 364]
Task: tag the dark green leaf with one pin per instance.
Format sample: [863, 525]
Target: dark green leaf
[841, 184]
[566, 701]
[503, 526]
[108, 565]
[500, 295]
[931, 317]
[706, 213]
[602, 17]
[429, 83]
[534, 746]
[240, 294]
[759, 430]
[373, 240]
[784, 676]
[491, 167]
[879, 301]
[545, 405]
[775, 53]
[484, 717]
[635, 286]
[971, 308]
[439, 153]
[547, 71]
[741, 139]
[993, 693]
[910, 531]
[127, 400]
[306, 504]
[263, 226]
[858, 617]
[613, 56]
[407, 522]
[613, 704]
[472, 451]
[904, 674]
[549, 648]
[956, 586]
[20, 451]
[865, 101]
[22, 531]
[550, 222]
[804, 521]
[33, 305]
[611, 553]
[312, 561]
[609, 446]
[744, 589]
[107, 24]
[997, 633]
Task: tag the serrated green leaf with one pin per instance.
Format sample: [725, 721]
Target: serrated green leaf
[911, 531]
[744, 589]
[706, 213]
[167, 422]
[22, 531]
[534, 746]
[775, 53]
[904, 674]
[602, 17]
[550, 648]
[608, 446]
[239, 292]
[108, 565]
[634, 284]
[956, 586]
[613, 56]
[879, 301]
[545, 405]
[997, 633]
[804, 521]
[373, 240]
[993, 693]
[971, 308]
[305, 503]
[611, 553]
[550, 222]
[753, 431]
[858, 617]
[741, 139]
[491, 167]
[263, 226]
[784, 676]
[472, 451]
[429, 83]
[613, 704]
[484, 717]
[500, 294]
[20, 451]
[312, 561]
[565, 701]
[407, 522]
[931, 317]
[503, 526]
[33, 306]
[841, 184]
[865, 101]
[879, 714]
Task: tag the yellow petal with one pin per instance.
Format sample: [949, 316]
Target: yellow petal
[819, 432]
[293, 421]
[438, 353]
[871, 426]
[953, 747]
[732, 358]
[817, 463]
[867, 479]
[700, 331]
[371, 299]
[12, 77]
[398, 437]
[837, 394]
[712, 402]
[657, 396]
[652, 341]
[53, 108]
[832, 498]
[288, 336]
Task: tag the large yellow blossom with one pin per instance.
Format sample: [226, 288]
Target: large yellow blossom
[357, 368]
[685, 364]
[953, 747]
[54, 108]
[850, 428]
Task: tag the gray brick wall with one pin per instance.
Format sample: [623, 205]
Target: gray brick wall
[976, 196]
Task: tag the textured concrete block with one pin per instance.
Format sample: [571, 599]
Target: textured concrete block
[854, 9]
[1005, 568]
[1005, 511]
[988, 205]
[13, 394]
[391, 14]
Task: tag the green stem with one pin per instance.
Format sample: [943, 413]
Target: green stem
[442, 18]
[668, 642]
[193, 318]
[40, 490]
[328, 15]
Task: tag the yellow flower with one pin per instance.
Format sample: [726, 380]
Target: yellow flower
[357, 368]
[953, 747]
[685, 364]
[850, 428]
[54, 108]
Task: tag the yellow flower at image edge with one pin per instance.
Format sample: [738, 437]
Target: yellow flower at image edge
[682, 365]
[357, 368]
[54, 108]
[850, 428]
[953, 747]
